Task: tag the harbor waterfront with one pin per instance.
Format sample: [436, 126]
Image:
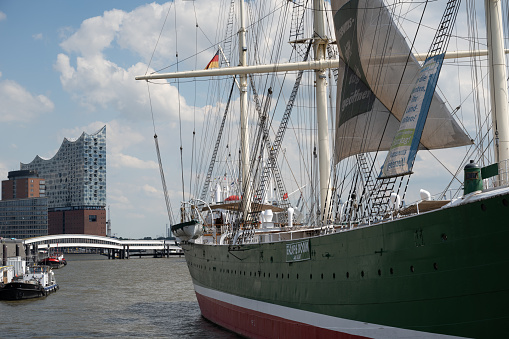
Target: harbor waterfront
[145, 298]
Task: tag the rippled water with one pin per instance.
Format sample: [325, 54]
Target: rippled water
[113, 298]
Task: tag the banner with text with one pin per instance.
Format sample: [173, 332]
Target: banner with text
[404, 147]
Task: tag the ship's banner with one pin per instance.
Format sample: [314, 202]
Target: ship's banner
[298, 251]
[375, 82]
[403, 151]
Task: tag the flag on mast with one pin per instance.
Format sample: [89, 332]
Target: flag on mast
[214, 63]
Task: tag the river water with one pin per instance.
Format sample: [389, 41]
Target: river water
[144, 298]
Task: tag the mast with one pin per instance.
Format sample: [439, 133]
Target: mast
[320, 45]
[498, 80]
[244, 120]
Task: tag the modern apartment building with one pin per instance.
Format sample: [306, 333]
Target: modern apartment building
[24, 207]
[23, 184]
[75, 182]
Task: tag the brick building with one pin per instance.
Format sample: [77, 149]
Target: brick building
[24, 206]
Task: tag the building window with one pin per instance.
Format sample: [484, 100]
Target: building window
[92, 218]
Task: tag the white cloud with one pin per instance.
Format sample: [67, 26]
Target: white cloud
[95, 34]
[18, 104]
[117, 196]
[124, 160]
[2, 16]
[98, 82]
[37, 36]
[150, 190]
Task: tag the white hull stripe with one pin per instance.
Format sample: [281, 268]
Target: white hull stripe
[318, 320]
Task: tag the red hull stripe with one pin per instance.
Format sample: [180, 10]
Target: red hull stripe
[255, 319]
[254, 324]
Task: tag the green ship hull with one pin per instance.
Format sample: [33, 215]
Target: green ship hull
[442, 272]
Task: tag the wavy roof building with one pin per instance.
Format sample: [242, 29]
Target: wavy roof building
[75, 184]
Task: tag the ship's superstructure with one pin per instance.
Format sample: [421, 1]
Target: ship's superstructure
[349, 259]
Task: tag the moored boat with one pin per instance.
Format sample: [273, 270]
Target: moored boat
[54, 261]
[356, 262]
[35, 282]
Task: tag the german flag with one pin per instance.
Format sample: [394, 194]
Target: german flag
[214, 63]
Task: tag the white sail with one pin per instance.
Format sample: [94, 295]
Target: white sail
[375, 84]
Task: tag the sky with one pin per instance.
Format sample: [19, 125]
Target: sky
[68, 67]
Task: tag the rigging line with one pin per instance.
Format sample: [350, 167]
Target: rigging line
[178, 98]
[159, 37]
[212, 45]
[473, 31]
[165, 189]
[378, 77]
[193, 145]
[401, 79]
[455, 175]
[161, 172]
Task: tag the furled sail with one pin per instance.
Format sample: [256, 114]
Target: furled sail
[376, 82]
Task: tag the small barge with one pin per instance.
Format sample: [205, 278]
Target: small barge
[35, 282]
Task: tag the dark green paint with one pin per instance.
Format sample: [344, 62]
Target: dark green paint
[445, 271]
[489, 171]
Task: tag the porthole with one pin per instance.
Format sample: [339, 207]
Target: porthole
[333, 275]
[412, 269]
[297, 276]
[435, 266]
[379, 272]
[347, 275]
[391, 270]
[288, 275]
[276, 275]
[362, 274]
[322, 276]
[311, 276]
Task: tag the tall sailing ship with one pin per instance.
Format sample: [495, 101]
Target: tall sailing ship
[338, 252]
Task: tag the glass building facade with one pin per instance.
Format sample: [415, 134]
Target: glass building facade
[24, 218]
[76, 176]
